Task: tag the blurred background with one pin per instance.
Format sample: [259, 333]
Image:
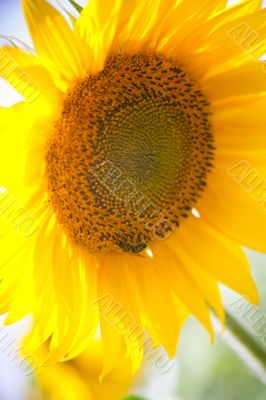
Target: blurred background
[201, 371]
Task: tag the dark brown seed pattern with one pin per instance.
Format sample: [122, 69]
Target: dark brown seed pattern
[130, 154]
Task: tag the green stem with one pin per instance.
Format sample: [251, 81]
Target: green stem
[134, 398]
[244, 344]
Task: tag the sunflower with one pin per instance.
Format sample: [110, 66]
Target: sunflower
[79, 378]
[126, 157]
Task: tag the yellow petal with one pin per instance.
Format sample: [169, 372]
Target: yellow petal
[186, 26]
[59, 47]
[233, 203]
[114, 385]
[18, 284]
[26, 75]
[113, 346]
[217, 255]
[238, 124]
[232, 208]
[233, 83]
[178, 277]
[99, 24]
[251, 6]
[13, 249]
[75, 322]
[206, 283]
[120, 314]
[157, 312]
[17, 141]
[143, 24]
[79, 379]
[232, 43]
[63, 382]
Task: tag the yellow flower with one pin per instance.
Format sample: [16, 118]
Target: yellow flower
[128, 157]
[79, 379]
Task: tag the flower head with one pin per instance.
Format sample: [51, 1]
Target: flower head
[134, 157]
[79, 378]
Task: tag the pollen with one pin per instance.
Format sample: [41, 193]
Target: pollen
[130, 154]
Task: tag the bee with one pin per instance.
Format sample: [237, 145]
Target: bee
[132, 249]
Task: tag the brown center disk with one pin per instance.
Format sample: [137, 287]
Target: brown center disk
[130, 154]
